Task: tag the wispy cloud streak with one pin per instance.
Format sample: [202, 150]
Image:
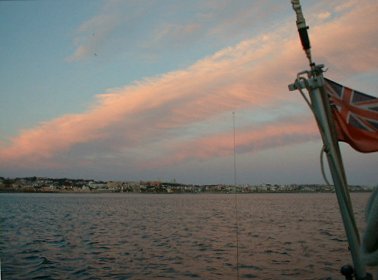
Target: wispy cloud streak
[249, 139]
[164, 118]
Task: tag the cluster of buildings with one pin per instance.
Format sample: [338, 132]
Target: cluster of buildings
[38, 184]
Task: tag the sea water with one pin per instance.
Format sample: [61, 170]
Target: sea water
[174, 236]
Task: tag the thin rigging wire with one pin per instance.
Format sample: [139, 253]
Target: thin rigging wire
[236, 203]
[233, 121]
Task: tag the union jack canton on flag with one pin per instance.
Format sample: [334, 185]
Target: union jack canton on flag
[355, 115]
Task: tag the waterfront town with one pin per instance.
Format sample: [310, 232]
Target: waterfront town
[42, 184]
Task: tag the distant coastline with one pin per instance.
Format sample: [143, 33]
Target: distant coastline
[64, 185]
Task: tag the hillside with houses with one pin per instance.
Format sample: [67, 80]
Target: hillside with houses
[41, 184]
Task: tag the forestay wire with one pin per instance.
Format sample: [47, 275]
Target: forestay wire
[237, 232]
[236, 203]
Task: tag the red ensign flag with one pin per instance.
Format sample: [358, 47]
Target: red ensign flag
[355, 115]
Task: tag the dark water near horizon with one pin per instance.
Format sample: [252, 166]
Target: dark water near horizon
[150, 236]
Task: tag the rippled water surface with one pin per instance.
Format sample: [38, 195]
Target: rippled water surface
[145, 236]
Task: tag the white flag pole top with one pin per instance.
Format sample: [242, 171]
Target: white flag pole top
[313, 81]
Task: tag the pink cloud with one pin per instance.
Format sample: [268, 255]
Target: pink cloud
[248, 140]
[349, 43]
[159, 114]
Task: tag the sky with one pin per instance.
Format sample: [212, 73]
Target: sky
[154, 90]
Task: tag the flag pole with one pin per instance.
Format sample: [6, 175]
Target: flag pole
[320, 106]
